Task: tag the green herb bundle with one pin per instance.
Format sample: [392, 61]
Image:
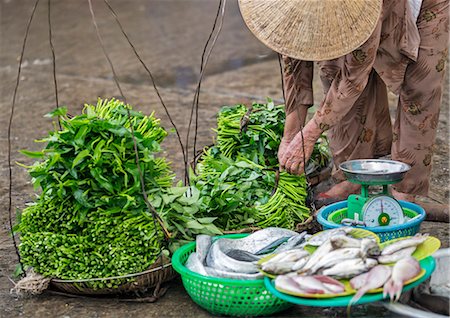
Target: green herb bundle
[90, 219]
[237, 177]
[254, 133]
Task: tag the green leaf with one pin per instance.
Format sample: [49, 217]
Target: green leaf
[32, 154]
[83, 154]
[194, 225]
[207, 220]
[60, 111]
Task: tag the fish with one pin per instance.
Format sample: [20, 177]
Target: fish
[349, 268]
[214, 272]
[358, 281]
[401, 244]
[291, 243]
[370, 247]
[343, 241]
[241, 255]
[202, 245]
[299, 264]
[335, 286]
[396, 256]
[375, 278]
[259, 240]
[286, 283]
[324, 236]
[273, 246]
[320, 252]
[310, 284]
[285, 262]
[403, 270]
[217, 259]
[287, 256]
[334, 257]
[194, 264]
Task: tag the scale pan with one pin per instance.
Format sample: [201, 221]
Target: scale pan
[374, 171]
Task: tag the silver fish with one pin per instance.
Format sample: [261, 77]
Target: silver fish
[334, 257]
[370, 247]
[233, 275]
[399, 245]
[319, 239]
[273, 245]
[278, 268]
[291, 243]
[299, 264]
[202, 245]
[343, 241]
[241, 255]
[320, 252]
[258, 240]
[350, 268]
[375, 278]
[285, 262]
[217, 259]
[288, 256]
[194, 264]
[403, 270]
[396, 256]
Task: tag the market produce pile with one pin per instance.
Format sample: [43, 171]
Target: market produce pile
[90, 219]
[238, 177]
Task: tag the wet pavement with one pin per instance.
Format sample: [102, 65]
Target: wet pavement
[169, 35]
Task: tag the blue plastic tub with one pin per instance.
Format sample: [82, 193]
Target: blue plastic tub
[384, 232]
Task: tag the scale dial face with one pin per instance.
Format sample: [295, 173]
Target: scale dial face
[381, 211]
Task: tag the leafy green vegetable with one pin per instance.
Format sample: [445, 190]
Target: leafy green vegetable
[90, 220]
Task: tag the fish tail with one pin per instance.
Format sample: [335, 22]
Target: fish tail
[387, 288]
[358, 295]
[397, 288]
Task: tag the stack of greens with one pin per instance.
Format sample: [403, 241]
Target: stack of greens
[90, 220]
[237, 177]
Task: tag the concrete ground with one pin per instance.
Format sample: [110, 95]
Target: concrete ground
[170, 35]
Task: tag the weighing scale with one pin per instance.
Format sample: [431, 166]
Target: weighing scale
[379, 209]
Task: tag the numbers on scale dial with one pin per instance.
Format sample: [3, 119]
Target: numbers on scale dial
[381, 211]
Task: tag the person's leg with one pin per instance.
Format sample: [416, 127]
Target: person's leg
[364, 133]
[420, 100]
[419, 105]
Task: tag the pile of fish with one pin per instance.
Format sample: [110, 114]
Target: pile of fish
[341, 256]
[237, 258]
[338, 255]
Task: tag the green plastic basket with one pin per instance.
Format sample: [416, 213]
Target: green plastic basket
[223, 296]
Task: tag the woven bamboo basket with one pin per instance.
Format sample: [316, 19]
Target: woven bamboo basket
[134, 282]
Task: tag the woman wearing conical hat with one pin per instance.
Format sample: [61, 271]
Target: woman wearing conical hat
[363, 48]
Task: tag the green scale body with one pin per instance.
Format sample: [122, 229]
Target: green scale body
[374, 210]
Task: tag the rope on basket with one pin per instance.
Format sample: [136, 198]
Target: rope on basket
[11, 116]
[204, 61]
[152, 210]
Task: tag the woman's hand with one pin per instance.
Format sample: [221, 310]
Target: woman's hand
[283, 147]
[292, 158]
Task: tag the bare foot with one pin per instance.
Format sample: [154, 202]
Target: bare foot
[404, 196]
[341, 190]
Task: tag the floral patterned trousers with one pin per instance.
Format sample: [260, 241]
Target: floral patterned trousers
[366, 132]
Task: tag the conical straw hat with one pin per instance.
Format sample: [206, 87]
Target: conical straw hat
[312, 30]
